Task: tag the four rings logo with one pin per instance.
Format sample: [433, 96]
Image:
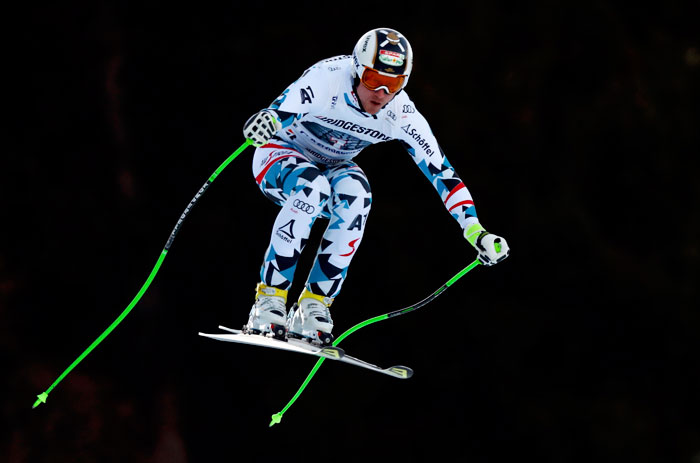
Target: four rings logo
[302, 206]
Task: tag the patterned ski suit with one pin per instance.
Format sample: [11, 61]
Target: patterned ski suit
[307, 169]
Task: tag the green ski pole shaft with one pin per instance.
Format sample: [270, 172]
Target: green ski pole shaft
[43, 396]
[277, 417]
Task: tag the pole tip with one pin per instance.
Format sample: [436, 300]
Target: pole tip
[41, 399]
[276, 418]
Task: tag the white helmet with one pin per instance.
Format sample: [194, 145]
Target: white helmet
[387, 52]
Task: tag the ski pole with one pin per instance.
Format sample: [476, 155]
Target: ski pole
[277, 417]
[43, 396]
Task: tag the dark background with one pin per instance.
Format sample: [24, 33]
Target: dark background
[575, 128]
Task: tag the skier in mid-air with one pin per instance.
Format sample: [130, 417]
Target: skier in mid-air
[306, 141]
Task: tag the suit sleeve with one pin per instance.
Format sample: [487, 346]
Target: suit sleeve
[415, 135]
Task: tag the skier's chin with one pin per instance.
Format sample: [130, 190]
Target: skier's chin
[373, 107]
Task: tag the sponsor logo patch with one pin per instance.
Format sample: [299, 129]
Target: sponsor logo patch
[286, 231]
[391, 58]
[422, 142]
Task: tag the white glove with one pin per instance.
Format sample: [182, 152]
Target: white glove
[261, 127]
[492, 248]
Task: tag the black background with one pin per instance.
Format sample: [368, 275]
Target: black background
[575, 128]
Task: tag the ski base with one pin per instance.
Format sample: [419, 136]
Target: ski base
[304, 347]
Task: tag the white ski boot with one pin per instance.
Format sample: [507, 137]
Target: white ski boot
[269, 313]
[310, 319]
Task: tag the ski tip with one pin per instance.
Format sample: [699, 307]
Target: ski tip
[400, 371]
[230, 330]
[41, 399]
[276, 418]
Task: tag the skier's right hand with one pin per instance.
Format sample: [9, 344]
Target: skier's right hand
[261, 127]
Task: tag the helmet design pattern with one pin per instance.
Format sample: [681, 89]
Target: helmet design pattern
[384, 50]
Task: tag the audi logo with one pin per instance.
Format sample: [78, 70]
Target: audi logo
[302, 206]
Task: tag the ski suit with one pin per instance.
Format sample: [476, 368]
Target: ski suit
[307, 168]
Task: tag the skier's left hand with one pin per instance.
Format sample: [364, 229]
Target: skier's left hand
[492, 248]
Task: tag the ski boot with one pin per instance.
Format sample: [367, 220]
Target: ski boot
[268, 315]
[310, 319]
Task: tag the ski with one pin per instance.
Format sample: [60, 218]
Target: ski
[291, 345]
[300, 346]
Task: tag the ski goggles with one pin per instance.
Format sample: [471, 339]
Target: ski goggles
[373, 80]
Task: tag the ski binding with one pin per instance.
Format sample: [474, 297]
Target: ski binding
[291, 345]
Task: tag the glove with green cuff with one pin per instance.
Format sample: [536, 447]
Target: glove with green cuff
[491, 248]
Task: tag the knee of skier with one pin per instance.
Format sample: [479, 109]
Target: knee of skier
[353, 193]
[313, 190]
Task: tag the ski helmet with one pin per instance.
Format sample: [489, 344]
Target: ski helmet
[383, 58]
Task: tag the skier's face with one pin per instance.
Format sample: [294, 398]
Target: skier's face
[373, 100]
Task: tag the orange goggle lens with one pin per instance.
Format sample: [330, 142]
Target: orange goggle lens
[373, 80]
